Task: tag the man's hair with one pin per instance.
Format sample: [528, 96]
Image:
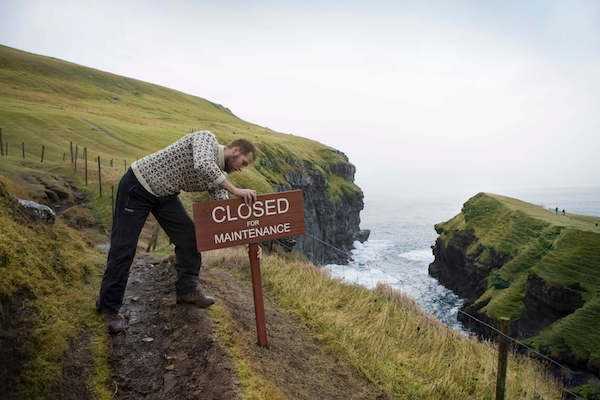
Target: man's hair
[245, 147]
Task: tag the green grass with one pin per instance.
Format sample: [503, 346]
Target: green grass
[564, 250]
[254, 385]
[385, 336]
[61, 272]
[45, 101]
[580, 222]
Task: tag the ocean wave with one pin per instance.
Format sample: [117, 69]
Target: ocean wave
[424, 255]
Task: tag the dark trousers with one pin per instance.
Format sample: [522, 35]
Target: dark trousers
[133, 204]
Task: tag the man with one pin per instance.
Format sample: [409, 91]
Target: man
[195, 163]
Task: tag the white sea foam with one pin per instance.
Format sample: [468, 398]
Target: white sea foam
[424, 255]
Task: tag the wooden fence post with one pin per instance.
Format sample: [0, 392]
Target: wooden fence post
[64, 156]
[1, 144]
[502, 359]
[99, 177]
[71, 146]
[76, 156]
[6, 149]
[23, 149]
[86, 165]
[111, 162]
[43, 151]
[112, 200]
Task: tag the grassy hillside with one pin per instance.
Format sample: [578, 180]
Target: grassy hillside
[47, 101]
[562, 250]
[385, 336]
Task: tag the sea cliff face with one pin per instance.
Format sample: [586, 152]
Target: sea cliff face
[332, 205]
[512, 259]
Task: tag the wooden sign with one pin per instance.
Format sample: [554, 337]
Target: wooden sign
[229, 223]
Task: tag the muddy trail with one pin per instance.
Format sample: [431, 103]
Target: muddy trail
[169, 351]
[172, 351]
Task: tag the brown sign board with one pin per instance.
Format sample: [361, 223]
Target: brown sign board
[229, 223]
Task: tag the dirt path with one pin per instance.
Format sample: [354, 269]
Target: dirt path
[170, 352]
[295, 361]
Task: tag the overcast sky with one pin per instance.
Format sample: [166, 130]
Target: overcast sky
[421, 97]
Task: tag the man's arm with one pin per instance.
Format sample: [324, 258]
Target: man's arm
[205, 164]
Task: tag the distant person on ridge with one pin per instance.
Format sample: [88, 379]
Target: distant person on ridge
[194, 163]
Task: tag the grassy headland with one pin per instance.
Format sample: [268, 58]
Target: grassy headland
[547, 260]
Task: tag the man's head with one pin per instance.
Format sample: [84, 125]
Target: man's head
[239, 154]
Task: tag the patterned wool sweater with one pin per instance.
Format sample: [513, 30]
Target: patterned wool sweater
[194, 163]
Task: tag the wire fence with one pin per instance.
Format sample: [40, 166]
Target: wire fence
[79, 158]
[96, 170]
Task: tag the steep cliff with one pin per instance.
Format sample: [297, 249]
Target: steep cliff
[49, 102]
[513, 259]
[332, 202]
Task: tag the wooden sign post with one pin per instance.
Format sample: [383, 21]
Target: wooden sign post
[227, 223]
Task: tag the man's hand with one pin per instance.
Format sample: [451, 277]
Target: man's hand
[248, 195]
[259, 250]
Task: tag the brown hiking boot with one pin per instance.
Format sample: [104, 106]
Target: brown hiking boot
[195, 298]
[116, 322]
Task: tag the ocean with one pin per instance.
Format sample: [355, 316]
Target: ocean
[398, 251]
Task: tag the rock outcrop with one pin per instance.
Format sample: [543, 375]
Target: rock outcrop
[37, 211]
[332, 223]
[512, 259]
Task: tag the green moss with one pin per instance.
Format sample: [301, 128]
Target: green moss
[55, 265]
[497, 282]
[338, 188]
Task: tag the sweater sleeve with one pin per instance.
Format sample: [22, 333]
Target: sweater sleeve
[219, 193]
[204, 149]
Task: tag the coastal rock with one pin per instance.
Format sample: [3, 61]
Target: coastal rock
[36, 211]
[332, 224]
[345, 170]
[362, 235]
[451, 266]
[546, 303]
